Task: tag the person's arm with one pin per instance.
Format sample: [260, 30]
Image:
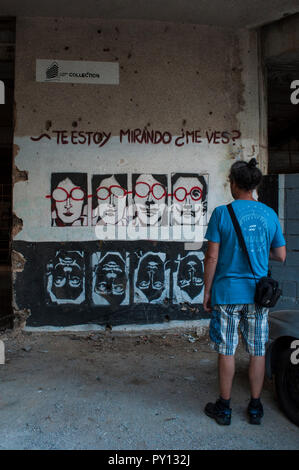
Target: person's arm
[278, 249]
[210, 263]
[278, 254]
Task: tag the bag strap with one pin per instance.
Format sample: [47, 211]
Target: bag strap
[239, 235]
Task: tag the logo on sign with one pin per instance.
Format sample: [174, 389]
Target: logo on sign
[77, 71]
[52, 71]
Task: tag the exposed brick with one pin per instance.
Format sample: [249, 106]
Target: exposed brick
[17, 261]
[17, 225]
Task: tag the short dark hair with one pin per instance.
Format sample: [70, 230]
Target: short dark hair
[245, 174]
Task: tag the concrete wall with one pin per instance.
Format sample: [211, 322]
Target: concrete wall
[173, 78]
[280, 38]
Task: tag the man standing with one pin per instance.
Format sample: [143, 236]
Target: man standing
[230, 286]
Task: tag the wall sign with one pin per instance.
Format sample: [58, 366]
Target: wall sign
[77, 71]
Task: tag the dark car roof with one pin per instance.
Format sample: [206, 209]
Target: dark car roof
[284, 323]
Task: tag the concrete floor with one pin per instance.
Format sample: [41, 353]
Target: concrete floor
[95, 391]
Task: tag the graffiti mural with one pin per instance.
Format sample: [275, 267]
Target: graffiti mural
[113, 282]
[151, 278]
[140, 206]
[65, 278]
[109, 199]
[189, 198]
[69, 199]
[110, 279]
[149, 199]
[188, 280]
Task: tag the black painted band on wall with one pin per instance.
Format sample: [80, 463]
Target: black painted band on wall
[105, 282]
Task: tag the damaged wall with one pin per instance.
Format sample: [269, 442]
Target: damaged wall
[110, 223]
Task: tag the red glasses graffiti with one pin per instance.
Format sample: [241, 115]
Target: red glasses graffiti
[181, 193]
[104, 192]
[61, 194]
[141, 190]
[152, 202]
[68, 199]
[144, 189]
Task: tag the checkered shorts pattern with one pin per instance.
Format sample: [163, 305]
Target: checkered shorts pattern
[253, 321]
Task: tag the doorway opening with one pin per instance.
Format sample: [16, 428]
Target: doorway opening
[283, 115]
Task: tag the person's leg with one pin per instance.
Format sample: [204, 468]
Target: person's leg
[224, 334]
[256, 374]
[254, 329]
[226, 372]
[220, 410]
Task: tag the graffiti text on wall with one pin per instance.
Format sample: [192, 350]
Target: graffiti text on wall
[142, 136]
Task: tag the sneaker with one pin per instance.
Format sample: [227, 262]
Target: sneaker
[255, 413]
[221, 414]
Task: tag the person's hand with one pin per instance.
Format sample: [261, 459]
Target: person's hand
[207, 302]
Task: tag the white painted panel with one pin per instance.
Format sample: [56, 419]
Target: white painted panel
[77, 71]
[41, 159]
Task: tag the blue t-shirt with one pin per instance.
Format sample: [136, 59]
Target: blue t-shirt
[233, 282]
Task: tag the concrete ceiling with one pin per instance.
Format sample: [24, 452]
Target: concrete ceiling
[227, 13]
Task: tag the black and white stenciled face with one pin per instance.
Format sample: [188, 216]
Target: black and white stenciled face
[187, 200]
[151, 277]
[69, 200]
[190, 275]
[150, 200]
[111, 278]
[111, 198]
[67, 276]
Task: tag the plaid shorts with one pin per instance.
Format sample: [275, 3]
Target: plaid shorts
[253, 320]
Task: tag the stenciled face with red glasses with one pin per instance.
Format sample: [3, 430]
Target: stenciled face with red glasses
[69, 199]
[150, 197]
[188, 198]
[109, 199]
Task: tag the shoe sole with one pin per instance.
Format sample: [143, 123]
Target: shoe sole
[210, 415]
[255, 421]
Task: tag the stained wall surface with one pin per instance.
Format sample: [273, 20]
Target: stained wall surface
[114, 184]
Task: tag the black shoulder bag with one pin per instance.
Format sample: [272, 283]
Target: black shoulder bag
[267, 291]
